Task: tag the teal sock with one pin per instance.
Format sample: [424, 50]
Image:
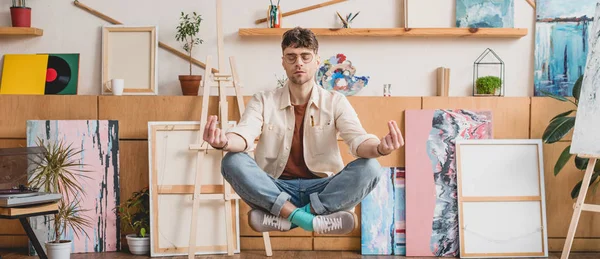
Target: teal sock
[300, 218]
[306, 208]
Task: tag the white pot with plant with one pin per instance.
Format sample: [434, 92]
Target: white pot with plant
[187, 32]
[135, 215]
[57, 171]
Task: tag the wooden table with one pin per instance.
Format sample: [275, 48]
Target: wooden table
[23, 213]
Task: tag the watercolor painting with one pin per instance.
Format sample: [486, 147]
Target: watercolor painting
[585, 135]
[377, 217]
[485, 13]
[338, 74]
[561, 44]
[99, 142]
[399, 212]
[431, 196]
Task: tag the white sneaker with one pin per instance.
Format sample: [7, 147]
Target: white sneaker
[341, 222]
[261, 221]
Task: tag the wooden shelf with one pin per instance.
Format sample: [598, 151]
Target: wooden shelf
[21, 31]
[394, 32]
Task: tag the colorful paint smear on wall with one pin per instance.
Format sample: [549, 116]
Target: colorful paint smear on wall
[561, 44]
[431, 195]
[99, 142]
[485, 13]
[377, 217]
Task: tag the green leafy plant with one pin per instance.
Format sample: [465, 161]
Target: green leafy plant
[19, 3]
[57, 170]
[488, 84]
[187, 30]
[135, 212]
[281, 81]
[558, 128]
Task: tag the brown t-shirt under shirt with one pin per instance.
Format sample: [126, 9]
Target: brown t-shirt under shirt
[296, 166]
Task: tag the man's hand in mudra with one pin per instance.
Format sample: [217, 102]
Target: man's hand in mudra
[213, 135]
[392, 141]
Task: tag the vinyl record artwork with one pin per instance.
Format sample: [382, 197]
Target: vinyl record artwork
[62, 74]
[50, 74]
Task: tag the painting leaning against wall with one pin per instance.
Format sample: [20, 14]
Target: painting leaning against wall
[561, 44]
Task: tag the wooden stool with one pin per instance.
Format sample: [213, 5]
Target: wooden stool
[23, 213]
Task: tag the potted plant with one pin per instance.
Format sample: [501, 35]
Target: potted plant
[57, 171]
[20, 14]
[488, 85]
[135, 215]
[188, 28]
[559, 127]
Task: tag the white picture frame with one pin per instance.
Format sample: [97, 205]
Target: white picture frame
[498, 215]
[130, 53]
[172, 170]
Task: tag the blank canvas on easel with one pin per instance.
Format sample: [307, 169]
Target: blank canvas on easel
[502, 210]
[172, 174]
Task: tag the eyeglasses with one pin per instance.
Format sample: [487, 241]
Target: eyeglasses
[292, 59]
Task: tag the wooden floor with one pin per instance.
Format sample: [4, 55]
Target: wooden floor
[21, 254]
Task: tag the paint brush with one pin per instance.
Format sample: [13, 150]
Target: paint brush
[354, 16]
[343, 21]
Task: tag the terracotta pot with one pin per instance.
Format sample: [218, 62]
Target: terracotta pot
[20, 16]
[190, 84]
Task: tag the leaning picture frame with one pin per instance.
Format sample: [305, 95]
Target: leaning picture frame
[130, 53]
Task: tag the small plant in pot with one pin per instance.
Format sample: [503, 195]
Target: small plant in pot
[58, 171]
[20, 14]
[488, 85]
[135, 215]
[187, 32]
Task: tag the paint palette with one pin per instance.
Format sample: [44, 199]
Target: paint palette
[338, 74]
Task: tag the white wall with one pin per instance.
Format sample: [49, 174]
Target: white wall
[409, 65]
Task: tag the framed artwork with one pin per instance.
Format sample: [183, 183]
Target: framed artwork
[499, 216]
[130, 53]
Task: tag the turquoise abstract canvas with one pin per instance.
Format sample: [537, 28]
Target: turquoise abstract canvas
[485, 13]
[377, 217]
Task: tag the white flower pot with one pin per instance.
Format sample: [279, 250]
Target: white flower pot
[138, 245]
[60, 250]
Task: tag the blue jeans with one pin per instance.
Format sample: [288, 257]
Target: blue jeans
[342, 191]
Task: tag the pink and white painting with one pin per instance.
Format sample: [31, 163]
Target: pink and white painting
[99, 142]
[431, 191]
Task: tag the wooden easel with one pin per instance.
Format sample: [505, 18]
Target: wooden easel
[580, 205]
[217, 79]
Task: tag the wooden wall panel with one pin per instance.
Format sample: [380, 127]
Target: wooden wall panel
[14, 241]
[543, 109]
[277, 243]
[579, 245]
[510, 115]
[246, 230]
[337, 243]
[134, 112]
[559, 205]
[133, 175]
[15, 110]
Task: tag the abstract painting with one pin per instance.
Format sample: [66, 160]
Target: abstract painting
[399, 212]
[485, 13]
[377, 217]
[585, 135]
[99, 142]
[40, 74]
[431, 196]
[338, 74]
[561, 44]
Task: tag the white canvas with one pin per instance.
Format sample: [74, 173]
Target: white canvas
[586, 140]
[502, 208]
[170, 214]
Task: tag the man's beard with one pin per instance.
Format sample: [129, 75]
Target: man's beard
[299, 80]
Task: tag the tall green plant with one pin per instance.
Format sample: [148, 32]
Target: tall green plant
[57, 171]
[559, 127]
[187, 30]
[135, 212]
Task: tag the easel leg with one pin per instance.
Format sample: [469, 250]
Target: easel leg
[578, 205]
[33, 238]
[267, 241]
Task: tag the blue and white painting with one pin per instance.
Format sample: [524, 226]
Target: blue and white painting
[377, 217]
[485, 13]
[561, 44]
